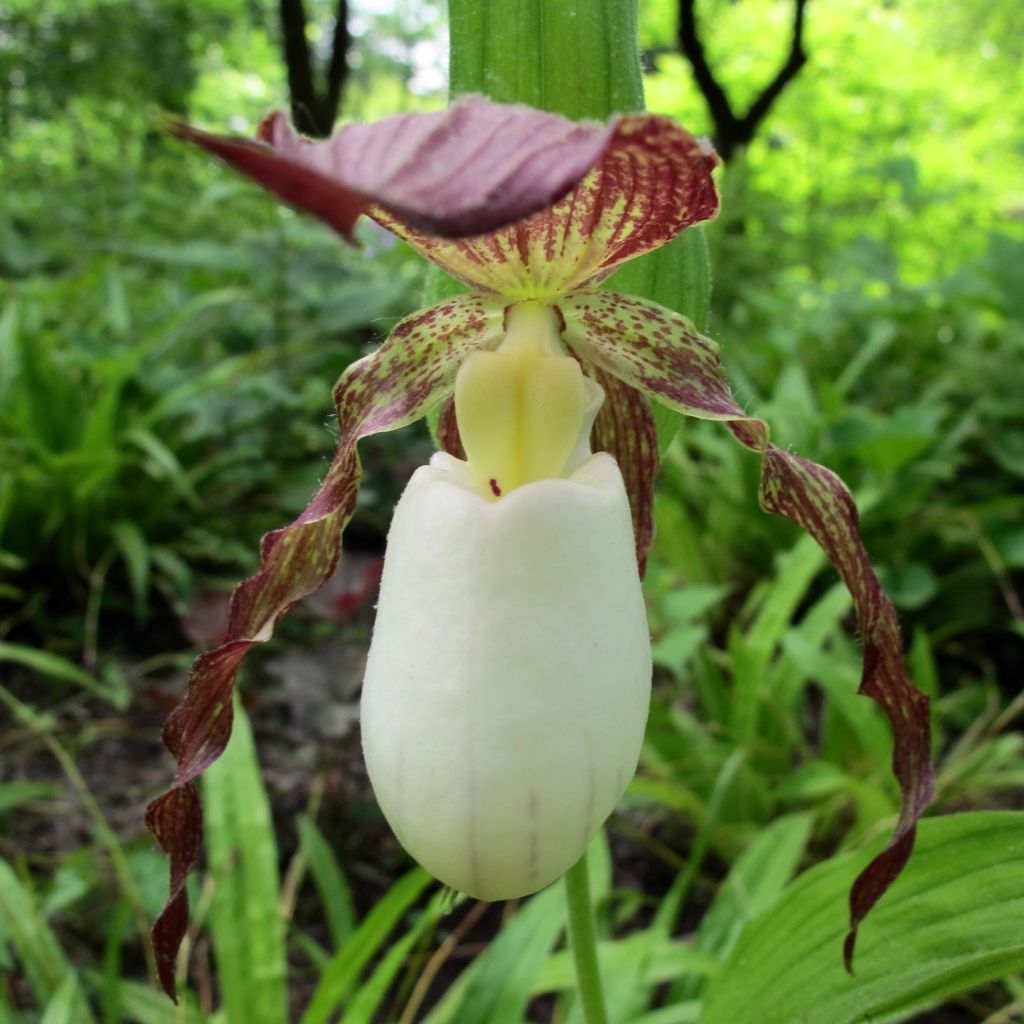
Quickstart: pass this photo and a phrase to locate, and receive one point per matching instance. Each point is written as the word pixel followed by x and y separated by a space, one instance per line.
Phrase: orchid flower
pixel 510 664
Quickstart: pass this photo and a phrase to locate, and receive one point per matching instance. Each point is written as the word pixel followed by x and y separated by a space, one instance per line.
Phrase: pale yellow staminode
pixel 508 680
pixel 520 409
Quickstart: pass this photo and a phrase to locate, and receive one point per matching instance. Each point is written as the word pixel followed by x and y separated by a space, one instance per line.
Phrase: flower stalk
pixel 583 941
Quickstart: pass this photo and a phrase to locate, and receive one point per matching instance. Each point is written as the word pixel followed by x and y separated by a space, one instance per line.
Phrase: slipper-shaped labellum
pixel 508 680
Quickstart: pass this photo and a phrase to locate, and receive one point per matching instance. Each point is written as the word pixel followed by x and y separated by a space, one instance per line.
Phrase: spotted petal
pixel 660 353
pixel 472 168
pixel 409 374
pixel 653 180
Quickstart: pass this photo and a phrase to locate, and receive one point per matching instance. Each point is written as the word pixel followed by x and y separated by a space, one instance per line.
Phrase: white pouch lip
pixel 508 681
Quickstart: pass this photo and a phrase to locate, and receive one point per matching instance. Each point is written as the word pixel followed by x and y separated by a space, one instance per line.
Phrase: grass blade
pixel 248 934
pixel 330 881
pixel 500 988
pixel 345 966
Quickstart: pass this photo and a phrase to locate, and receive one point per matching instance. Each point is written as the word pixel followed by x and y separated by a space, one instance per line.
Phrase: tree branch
pixel 313 111
pixel 693 49
pixel 337 70
pixel 795 60
pixel 732 132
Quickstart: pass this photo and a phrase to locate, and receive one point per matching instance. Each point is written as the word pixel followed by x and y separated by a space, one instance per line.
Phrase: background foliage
pixel 168 340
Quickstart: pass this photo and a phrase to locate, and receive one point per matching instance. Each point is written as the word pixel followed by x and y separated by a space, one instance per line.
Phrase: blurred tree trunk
pixel 732 131
pixel 314 109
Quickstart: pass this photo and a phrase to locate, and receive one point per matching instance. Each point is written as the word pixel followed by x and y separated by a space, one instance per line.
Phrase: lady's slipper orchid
pixel 510 648
pixel 508 680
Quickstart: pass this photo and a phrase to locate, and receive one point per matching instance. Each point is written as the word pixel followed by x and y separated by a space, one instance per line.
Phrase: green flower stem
pixel 517 51
pixel 583 939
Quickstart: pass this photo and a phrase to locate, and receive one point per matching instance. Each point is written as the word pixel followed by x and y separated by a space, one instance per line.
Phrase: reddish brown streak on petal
pixel 448 437
pixel 625 429
pixel 799 489
pixel 413 370
pixel 653 180
pixel 476 167
pixel 660 353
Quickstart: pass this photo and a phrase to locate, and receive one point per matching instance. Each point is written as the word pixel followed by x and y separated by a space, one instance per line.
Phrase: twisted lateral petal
pixel 653 180
pixel 473 168
pixel 447 431
pixel 660 353
pixel 509 676
pixel 625 429
pixel 412 371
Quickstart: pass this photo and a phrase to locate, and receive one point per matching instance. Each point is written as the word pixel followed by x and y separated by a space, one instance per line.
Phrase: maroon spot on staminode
pixel 495 489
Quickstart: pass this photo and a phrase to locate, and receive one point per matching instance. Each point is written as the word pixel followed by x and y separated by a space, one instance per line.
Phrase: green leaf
pixel 145 1006
pixel 55 667
pixel 14 794
pixel 50 973
pixel 371 993
pixel 951 922
pixel 162 463
pixel 753 649
pixel 331 885
pixel 500 987
pixel 66 1005
pixel 667 959
pixel 752 886
pixel 248 934
pixel 135 551
pixel 343 970
pixel 516 53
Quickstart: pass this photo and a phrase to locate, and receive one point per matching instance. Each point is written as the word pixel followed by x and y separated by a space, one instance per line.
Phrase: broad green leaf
pixel 951 922
pixel 753 885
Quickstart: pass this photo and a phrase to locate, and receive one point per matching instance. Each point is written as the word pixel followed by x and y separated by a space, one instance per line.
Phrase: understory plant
pixel 508 679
